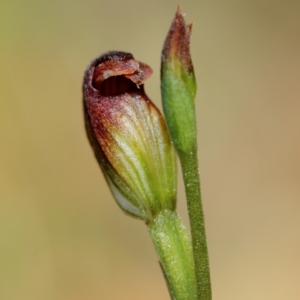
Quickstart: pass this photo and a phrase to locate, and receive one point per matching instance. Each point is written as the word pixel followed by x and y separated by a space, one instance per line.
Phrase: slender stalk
pixel 178 89
pixel 191 177
pixel 173 244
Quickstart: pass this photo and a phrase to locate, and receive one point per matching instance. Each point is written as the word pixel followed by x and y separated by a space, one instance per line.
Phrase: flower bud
pixel 178 85
pixel 129 135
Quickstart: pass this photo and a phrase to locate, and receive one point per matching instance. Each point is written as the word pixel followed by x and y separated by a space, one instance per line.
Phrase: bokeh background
pixel 61 234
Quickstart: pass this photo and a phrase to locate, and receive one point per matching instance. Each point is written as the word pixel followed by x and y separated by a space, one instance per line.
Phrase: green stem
pixel 173 244
pixel 191 177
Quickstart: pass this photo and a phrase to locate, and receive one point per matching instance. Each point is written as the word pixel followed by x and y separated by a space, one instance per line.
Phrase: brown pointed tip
pixel 179 10
pixel 177 43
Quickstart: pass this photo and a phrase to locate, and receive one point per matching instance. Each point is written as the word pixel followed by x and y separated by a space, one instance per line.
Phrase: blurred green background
pixel 61 234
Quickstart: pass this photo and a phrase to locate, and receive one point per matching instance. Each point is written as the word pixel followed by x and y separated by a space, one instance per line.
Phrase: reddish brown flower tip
pixel 110 81
pixel 119 63
pixel 177 44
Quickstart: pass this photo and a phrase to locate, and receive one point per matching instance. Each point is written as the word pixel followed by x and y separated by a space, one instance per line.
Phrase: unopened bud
pixel 178 85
